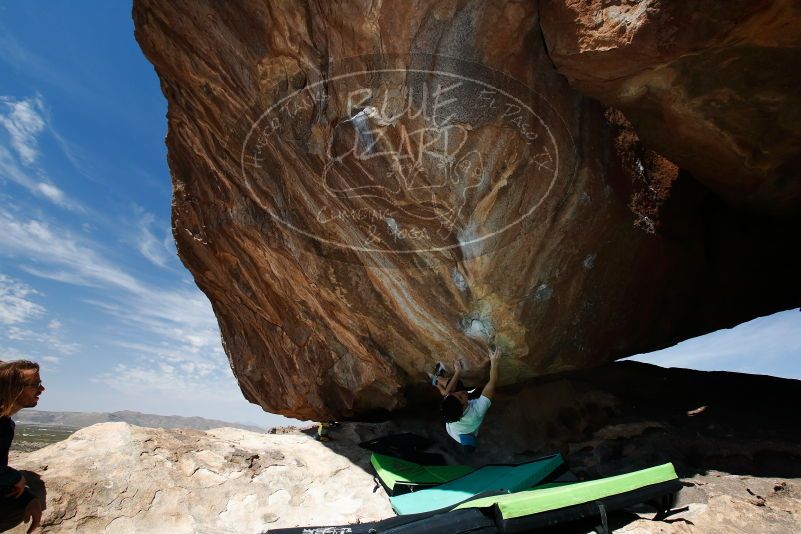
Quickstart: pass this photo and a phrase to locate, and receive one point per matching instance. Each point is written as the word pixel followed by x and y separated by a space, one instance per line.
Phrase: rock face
pixel 630 415
pixel 712 86
pixel 364 188
pixel 117 478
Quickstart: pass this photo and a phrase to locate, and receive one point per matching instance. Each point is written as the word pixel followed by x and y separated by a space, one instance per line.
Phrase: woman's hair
pixel 451 409
pixel 12 383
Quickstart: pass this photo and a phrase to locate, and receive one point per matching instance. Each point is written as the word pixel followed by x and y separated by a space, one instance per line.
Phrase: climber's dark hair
pixel 451 409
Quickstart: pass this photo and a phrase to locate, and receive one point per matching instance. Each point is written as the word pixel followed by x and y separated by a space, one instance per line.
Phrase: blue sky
pixel 90 284
pixel 766 346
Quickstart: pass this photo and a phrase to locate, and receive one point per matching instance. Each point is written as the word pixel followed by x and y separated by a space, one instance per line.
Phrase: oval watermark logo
pixel 405 155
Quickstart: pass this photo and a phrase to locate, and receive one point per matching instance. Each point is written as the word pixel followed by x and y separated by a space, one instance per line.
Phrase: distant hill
pixel 83 419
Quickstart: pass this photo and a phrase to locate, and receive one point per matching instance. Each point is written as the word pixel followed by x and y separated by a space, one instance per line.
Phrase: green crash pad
pixel 507 478
pixel 394 472
pixel 539 500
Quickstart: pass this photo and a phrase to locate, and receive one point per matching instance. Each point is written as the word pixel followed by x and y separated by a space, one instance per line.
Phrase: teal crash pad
pixel 490 478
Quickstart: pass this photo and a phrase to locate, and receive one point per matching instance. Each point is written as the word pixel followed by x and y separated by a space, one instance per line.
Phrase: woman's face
pixel 32 389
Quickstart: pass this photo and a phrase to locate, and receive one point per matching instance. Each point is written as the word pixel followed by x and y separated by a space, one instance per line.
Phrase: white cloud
pixel 10 170
pixel 158 327
pixel 58 276
pixel 24 122
pixel 43 337
pixel 15 306
pixel 181 382
pixel 52 193
pixel 176 343
pixel 80 160
pixel 76 262
pixel 153 249
pixel 25 335
pixel 13 353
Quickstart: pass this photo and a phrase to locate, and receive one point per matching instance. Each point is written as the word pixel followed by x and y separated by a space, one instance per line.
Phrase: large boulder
pixel 118 478
pixel 364 188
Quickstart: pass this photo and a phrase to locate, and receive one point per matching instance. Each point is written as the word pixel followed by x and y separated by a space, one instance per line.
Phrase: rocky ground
pixel 717 502
pixel 117 478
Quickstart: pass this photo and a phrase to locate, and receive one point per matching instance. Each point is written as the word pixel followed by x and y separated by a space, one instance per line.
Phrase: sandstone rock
pixel 347 243
pixel 730 504
pixel 712 86
pixel 117 478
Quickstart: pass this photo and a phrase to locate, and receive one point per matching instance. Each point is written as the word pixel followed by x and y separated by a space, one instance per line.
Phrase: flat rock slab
pixel 721 503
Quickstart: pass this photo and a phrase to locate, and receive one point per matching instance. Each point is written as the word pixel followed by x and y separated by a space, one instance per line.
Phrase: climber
pixel 20 387
pixel 462 414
